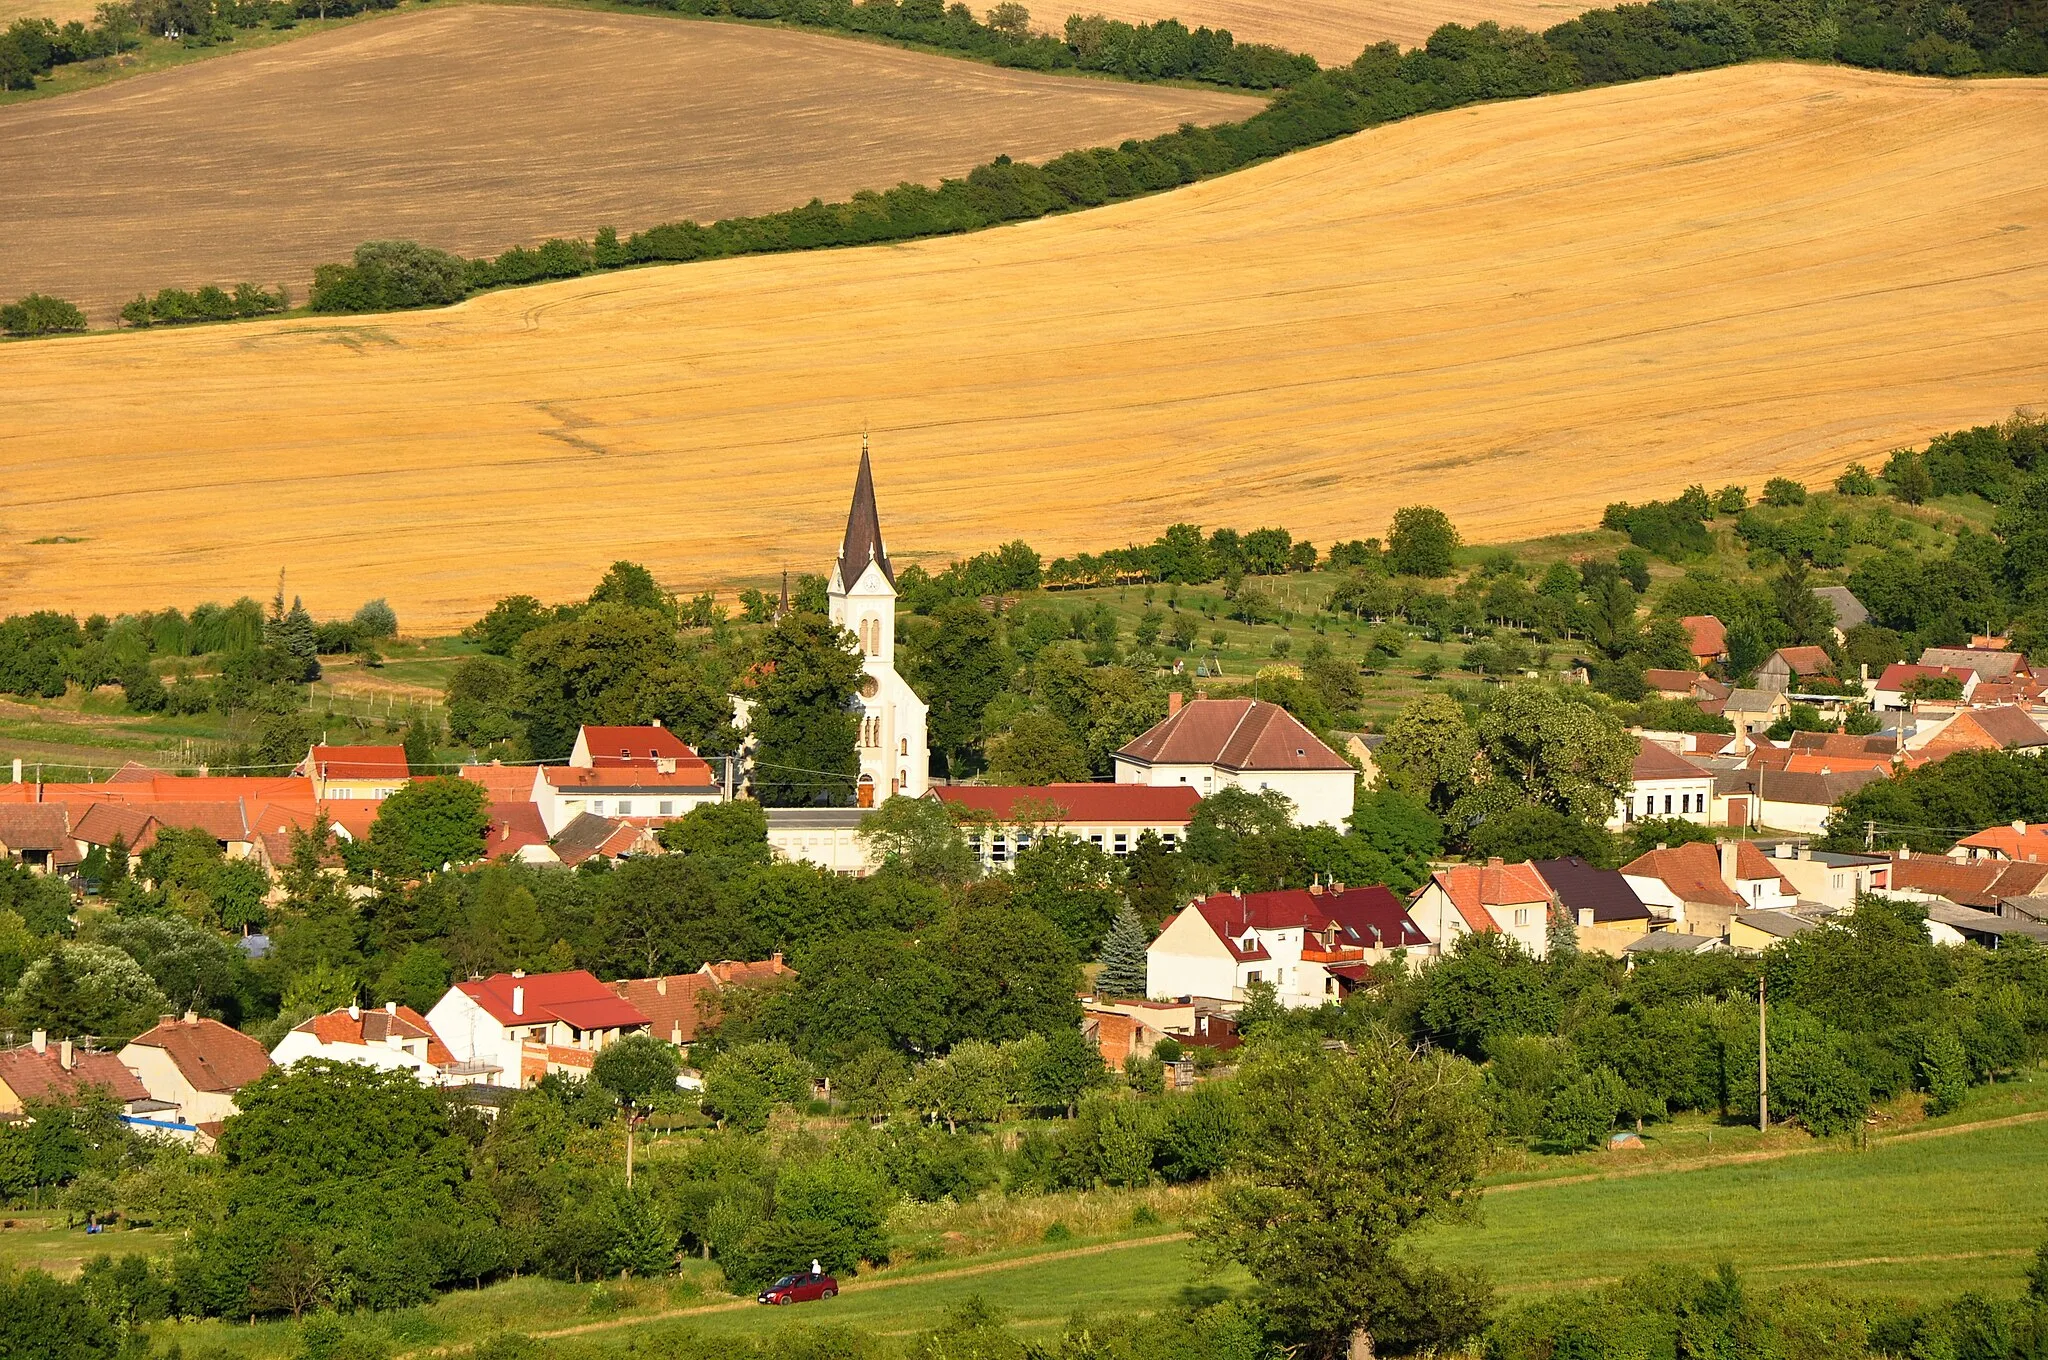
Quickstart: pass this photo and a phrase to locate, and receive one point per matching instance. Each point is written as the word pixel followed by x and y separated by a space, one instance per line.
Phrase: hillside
pixel 1500 311
pixel 1336 31
pixel 212 173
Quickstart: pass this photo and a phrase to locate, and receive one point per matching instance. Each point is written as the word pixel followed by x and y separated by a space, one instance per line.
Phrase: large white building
pixel 894 757
pixel 512 1029
pixel 396 1038
pixel 1213 744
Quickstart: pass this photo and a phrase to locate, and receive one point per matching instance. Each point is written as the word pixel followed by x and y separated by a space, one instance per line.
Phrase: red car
pixel 800 1288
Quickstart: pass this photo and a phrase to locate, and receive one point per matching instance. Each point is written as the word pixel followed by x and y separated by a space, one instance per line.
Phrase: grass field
pixel 1518 312
pixel 1946 1207
pixel 205 174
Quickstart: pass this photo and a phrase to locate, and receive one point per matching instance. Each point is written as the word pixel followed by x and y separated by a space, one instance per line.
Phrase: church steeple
pixel 863 542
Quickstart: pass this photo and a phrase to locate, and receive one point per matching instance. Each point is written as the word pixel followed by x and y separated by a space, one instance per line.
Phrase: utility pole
pixel 629 1144
pixel 1763 1070
pixel 1869 835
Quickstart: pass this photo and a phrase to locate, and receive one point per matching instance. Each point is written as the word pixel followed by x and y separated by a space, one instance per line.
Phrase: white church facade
pixel 894 755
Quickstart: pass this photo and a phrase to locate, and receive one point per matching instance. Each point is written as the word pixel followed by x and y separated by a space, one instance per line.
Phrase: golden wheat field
pixel 485 126
pixel 1517 312
pixel 1336 31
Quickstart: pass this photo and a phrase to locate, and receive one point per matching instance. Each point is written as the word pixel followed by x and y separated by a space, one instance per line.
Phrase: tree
pixel 957 664
pixel 429 823
pixel 1430 752
pixel 1069 882
pixel 1037 748
pixel 600 666
pixel 636 1067
pixel 733 836
pixel 1527 832
pixel 632 585
pixel 1856 480
pixel 1485 986
pixel 509 620
pixel 743 1086
pixel 918 838
pixel 88 989
pixel 1055 1069
pixel 1558 753
pixel 667 914
pixel 420 739
pixel 1009 972
pixel 804 718
pixel 1344 1154
pixel 49 1320
pixel 970 1085
pixel 40 315
pixel 1944 1071
pixel 1123 957
pixel 377 619
pixel 1421 542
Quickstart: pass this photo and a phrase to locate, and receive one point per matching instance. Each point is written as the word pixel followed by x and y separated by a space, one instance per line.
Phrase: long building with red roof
pixel 1002 819
pixel 522 1025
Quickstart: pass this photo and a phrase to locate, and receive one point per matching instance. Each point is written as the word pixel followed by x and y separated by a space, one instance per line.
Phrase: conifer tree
pixel 1123 956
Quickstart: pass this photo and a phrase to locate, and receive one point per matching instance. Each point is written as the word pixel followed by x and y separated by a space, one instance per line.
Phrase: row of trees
pixel 39 315
pixel 1458 66
pixel 178 307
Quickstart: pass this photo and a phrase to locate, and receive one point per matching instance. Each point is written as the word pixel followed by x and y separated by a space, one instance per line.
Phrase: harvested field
pixel 63 11
pixel 1517 312
pixel 1336 31
pixel 485 126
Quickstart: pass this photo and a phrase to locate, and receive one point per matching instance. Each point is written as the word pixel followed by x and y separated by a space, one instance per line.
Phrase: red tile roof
pixel 35 826
pixel 2027 842
pixel 690 775
pixel 506 783
pixel 367 1028
pixel 1233 734
pixel 514 826
pixel 576 997
pixel 1362 918
pixel 42 1076
pixel 1983 883
pixel 1134 804
pixel 1807 660
pixel 628 747
pixel 1693 872
pixel 740 973
pixel 212 1056
pixel 1474 889
pixel 678 1007
pixel 1709 636
pixel 100 823
pixel 359 762
pixel 1897 675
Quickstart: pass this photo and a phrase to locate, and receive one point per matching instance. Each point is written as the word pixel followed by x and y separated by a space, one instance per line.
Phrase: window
pixel 1667 805
pixel 1095 839
pixel 1521 916
pixel 1649 805
pixel 1123 846
pixel 905 749
pixel 1169 840
pixel 625 807
pixel 1254 978
pixel 668 807
pixel 597 806
pixel 1001 851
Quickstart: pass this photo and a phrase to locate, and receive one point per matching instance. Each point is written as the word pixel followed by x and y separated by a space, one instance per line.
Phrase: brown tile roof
pixel 101 822
pixel 212 1056
pixel 1671 682
pixel 1658 762
pixel 1990 664
pixel 738 973
pixel 1807 660
pixel 42 1076
pixel 1981 884
pixel 678 1007
pixel 35 826
pixel 1693 872
pixel 1842 744
pixel 588 835
pixel 1796 786
pixel 1233 734
pixel 1137 804
pixel 507 783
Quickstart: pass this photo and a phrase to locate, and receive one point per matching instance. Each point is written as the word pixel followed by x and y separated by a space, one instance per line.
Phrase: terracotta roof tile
pixel 359 762
pixel 1475 889
pixel 1233 734
pixel 42 1076
pixel 547 995
pixel 1137 804
pixel 212 1056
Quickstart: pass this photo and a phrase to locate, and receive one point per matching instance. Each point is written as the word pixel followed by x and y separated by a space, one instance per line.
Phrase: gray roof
pixel 1782 924
pixel 1983 922
pixel 1834 859
pixel 1792 786
pixel 1849 610
pixel 1989 665
pixel 1668 942
pixel 1751 701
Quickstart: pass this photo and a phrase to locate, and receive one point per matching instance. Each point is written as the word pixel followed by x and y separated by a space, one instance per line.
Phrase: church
pixel 891 744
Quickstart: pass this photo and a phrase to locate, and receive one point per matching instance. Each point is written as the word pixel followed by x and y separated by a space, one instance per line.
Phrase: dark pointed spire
pixel 863 543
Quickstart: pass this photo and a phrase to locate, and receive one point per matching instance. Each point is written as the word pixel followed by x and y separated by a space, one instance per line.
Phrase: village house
pixel 1701 887
pixel 827 837
pixel 393 1037
pixel 1829 878
pixel 1694 685
pixel 1664 784
pixel 1001 821
pixel 1801 801
pixel 341 772
pixel 40 1072
pixel 1123 1028
pixel 2001 727
pixel 1889 690
pixel 1783 669
pixel 194 1066
pixel 1849 611
pixel 2015 841
pixel 38 836
pixel 1708 639
pixel 1988 884
pixel 1752 711
pixel 681 1006
pixel 1598 903
pixel 1465 899
pixel 1213 744
pixel 633 774
pixel 1310 945
pixel 1991 663
pixel 1752 932
pixel 518 1027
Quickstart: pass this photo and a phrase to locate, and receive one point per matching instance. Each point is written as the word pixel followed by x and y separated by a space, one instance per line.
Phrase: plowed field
pixel 486 126
pixel 1517 312
pixel 1336 31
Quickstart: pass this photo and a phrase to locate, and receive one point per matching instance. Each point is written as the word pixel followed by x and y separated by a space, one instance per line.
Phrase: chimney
pixel 661 986
pixel 1728 862
pixel 1495 862
pixel 191 1017
pixel 2019 828
pixel 1172 707
pixel 519 972
pixel 518 1000
pixel 40 1041
pixel 655 723
pixel 17 769
pixel 64 1055
pixel 355 1012
pixel 391 1008
pixel 775 960
pixel 1315 889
